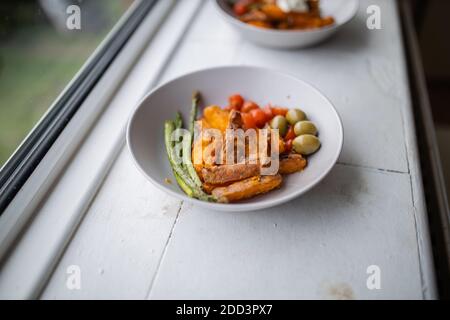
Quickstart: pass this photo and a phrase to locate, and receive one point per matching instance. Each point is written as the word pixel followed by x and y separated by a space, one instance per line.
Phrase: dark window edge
pixel 435 196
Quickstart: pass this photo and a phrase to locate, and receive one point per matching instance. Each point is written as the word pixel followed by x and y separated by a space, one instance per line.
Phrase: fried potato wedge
pixel 291 164
pixel 248 188
pixel 229 173
pixel 235 120
pixel 273 12
pixel 204 147
pixel 216 117
pixel 209 188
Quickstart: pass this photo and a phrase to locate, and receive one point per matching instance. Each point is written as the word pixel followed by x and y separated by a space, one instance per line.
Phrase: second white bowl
pixel 342 11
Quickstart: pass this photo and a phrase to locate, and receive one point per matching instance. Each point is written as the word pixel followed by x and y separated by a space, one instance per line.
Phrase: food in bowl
pixel 145 129
pixel 240 151
pixel 281 14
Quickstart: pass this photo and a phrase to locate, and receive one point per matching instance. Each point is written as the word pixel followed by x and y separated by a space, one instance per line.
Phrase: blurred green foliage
pixel 15 14
pixel 37 62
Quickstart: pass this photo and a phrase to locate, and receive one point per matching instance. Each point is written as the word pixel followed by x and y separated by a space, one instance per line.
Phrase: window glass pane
pixel 43 44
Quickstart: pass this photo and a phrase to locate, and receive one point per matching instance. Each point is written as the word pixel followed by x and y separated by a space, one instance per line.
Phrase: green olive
pixel 295 115
pixel 306 144
pixel 280 123
pixel 305 127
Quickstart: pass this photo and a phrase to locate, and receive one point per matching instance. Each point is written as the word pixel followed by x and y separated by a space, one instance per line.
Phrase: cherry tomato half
pixel 240 8
pixel 249 121
pixel 290 135
pixel 279 111
pixel 249 106
pixel 236 102
pixel 269 114
pixel 259 116
pixel 288 146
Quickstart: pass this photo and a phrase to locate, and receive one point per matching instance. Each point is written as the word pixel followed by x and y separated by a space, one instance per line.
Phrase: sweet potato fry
pixel 235 120
pixel 208 188
pixel 291 164
pixel 216 117
pixel 247 188
pixel 273 12
pixel 229 173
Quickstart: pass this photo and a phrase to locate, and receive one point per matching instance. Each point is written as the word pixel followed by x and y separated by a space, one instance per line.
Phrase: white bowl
pixel 145 132
pixel 342 11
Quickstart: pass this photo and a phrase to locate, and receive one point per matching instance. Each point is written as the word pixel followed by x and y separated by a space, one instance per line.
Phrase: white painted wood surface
pixel 136 242
pixel 308 248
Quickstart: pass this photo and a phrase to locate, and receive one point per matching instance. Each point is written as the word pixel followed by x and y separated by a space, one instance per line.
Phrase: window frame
pixel 434 189
pixel 23 162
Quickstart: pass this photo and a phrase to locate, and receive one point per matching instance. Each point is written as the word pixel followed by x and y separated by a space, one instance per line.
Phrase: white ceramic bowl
pixel 145 132
pixel 342 11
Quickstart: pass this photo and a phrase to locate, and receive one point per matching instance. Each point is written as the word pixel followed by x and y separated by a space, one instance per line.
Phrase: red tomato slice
pixel 249 106
pixel 249 122
pixel 290 135
pixel 279 111
pixel 288 146
pixel 259 116
pixel 269 114
pixel 240 8
pixel 236 102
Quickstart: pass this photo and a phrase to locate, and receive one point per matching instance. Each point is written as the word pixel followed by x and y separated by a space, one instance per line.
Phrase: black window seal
pixel 438 212
pixel 27 157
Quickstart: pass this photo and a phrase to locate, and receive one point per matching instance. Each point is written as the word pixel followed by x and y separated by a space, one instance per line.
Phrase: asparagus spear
pixel 196 97
pixel 169 128
pixel 182 177
pixel 187 150
pixel 187 145
pixel 185 175
pixel 184 186
pixel 178 121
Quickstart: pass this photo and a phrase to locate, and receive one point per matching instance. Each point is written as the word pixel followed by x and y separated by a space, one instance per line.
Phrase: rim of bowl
pixel 237 22
pixel 236 207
